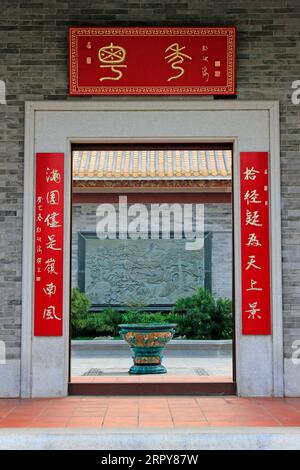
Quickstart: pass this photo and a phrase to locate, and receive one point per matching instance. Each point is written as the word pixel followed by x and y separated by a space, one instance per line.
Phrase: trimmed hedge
pixel 199 316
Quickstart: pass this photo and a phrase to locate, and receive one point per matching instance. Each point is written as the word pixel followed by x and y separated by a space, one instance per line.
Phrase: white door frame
pixel 53 126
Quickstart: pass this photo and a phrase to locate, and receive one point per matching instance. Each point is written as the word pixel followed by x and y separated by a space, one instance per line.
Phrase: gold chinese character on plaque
pixel 51 244
pixel 253 240
pixel 250 174
pixel 176 58
pixel 205 73
pixel 252 218
pixel 252 286
pixel 251 263
pixel 53 197
pixel 50 289
pixel 50 313
pixel 112 57
pixel 53 175
pixel 252 197
pixel 253 311
pixel 50 266
pixel 51 220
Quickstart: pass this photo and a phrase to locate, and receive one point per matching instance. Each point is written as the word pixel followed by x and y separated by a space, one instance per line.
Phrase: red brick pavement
pixel 141 412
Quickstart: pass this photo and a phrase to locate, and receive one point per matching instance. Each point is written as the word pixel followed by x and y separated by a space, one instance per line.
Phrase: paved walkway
pixel 170 413
pixel 150 378
pixel 181 358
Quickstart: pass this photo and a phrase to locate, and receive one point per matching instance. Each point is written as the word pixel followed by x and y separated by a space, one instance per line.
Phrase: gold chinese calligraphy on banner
pixel 255 248
pixel 48 262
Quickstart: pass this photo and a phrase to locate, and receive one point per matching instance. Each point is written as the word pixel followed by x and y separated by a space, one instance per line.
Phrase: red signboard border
pixel 76 90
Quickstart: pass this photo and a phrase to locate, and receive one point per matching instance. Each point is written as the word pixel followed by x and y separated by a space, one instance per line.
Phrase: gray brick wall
pixel 33 63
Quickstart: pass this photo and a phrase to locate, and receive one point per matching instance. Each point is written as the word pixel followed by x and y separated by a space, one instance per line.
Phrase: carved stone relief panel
pixel 149 272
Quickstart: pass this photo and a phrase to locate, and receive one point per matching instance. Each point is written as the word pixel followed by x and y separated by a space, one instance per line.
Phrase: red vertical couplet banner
pixel 49 237
pixel 255 239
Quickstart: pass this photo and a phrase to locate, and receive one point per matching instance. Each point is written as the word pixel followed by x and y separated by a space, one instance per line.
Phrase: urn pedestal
pixel 147 341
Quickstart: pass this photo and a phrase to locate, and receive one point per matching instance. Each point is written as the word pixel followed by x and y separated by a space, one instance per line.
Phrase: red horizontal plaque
pixel 255 239
pixel 152 61
pixel 49 237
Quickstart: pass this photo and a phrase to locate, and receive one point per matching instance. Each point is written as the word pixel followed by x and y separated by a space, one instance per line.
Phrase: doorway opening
pixel 152 241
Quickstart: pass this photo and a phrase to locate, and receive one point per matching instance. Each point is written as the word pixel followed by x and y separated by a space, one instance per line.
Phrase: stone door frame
pixel 54 126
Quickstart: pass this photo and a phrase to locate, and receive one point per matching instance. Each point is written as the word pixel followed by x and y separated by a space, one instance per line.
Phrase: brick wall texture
pixel 34 66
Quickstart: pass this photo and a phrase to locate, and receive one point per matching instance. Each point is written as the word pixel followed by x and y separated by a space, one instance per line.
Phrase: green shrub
pixel 143 317
pixel 131 316
pixel 80 304
pixel 221 327
pixel 200 316
pixel 104 323
pixel 111 319
pixel 98 324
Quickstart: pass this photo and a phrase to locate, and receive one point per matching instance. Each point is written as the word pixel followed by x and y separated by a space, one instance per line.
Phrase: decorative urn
pixel 147 341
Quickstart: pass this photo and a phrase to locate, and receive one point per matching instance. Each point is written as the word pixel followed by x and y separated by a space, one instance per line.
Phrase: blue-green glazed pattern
pixel 147 341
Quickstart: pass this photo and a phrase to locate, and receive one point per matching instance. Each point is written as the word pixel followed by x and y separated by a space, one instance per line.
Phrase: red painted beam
pixel 132 198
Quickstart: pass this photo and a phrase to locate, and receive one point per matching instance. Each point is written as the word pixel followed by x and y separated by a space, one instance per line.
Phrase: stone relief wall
pixel 152 271
pixel 148 272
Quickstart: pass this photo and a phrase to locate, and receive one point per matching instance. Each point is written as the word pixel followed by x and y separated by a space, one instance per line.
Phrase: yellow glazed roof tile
pixel 152 164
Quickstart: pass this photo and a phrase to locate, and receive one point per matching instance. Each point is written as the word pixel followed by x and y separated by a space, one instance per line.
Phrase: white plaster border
pixel 183 105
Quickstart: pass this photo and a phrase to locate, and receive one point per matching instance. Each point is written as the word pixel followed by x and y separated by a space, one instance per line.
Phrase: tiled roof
pixel 152 164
